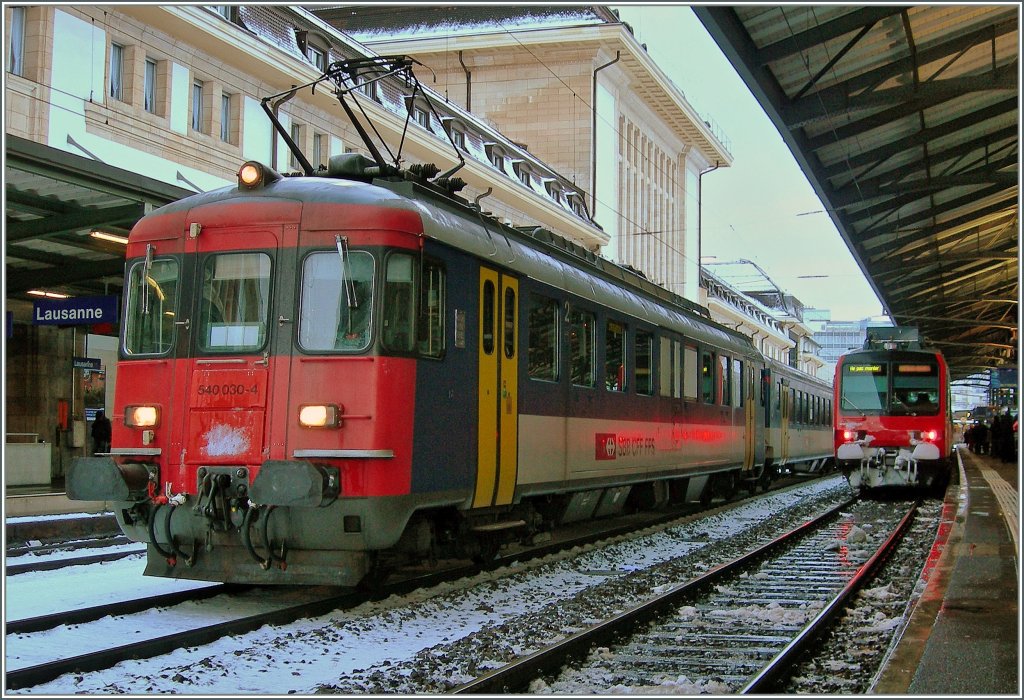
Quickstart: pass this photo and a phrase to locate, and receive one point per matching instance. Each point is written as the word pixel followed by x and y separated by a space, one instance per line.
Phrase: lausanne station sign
pixel 75 311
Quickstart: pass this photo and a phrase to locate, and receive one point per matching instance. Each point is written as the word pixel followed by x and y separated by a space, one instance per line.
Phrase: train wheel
pixel 488 550
pixel 377 573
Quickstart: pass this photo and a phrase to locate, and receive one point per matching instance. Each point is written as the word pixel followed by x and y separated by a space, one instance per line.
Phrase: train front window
pixel 152 305
pixel 336 299
pixel 235 302
pixel 915 388
pixel 864 387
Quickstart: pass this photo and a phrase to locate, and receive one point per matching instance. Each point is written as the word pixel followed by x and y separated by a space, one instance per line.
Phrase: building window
pixel 296 132
pixel 318 150
pixel 117 71
pixel 521 172
pixel 371 90
pixel 318 57
pixel 16 57
pixel 421 116
pixel 458 138
pixel 228 12
pixel 197 105
pixel 149 87
pixel 495 156
pixel 225 118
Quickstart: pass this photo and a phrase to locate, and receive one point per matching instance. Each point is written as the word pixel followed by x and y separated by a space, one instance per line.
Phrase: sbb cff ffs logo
pixel 604 446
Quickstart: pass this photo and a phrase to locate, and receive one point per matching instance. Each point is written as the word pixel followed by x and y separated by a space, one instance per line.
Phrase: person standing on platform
pixel 101 433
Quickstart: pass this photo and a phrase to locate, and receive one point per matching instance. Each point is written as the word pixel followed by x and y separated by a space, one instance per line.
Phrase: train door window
pixel 509 326
pixel 828 410
pixel 581 347
pixel 643 350
pixel 430 325
pixel 151 307
pixel 543 345
pixel 677 369
pixel 399 303
pixel 665 366
pixel 737 383
pixel 707 377
pixel 335 301
pixel 794 415
pixel 488 319
pixel 235 302
pixel 615 356
pixel 725 380
pixel 690 372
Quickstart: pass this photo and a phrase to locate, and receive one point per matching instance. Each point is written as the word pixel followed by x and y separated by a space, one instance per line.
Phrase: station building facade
pixel 574 86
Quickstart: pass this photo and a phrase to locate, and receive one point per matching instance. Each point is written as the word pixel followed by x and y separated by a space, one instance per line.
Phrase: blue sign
pixel 76 311
pixel 86 363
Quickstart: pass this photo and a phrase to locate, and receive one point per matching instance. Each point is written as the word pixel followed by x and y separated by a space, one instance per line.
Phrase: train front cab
pixel 893 420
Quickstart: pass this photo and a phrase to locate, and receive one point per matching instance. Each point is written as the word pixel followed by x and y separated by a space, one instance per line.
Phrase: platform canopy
pixel 55 200
pixel 905 120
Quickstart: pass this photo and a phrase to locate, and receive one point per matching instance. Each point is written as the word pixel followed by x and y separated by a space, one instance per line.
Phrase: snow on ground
pixel 299 657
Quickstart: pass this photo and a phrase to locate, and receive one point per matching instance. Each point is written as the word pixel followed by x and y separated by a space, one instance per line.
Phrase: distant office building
pixel 837 337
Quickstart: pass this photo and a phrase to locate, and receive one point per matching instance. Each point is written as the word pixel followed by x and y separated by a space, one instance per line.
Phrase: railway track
pixel 40 673
pixel 745 623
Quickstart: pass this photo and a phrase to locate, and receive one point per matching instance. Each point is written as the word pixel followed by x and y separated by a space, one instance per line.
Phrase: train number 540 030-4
pixel 226 389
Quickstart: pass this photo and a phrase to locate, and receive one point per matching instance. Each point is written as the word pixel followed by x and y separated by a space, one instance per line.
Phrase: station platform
pixel 963 637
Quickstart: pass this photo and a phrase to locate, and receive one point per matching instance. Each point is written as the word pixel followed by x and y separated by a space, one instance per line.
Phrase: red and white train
pixel 893 418
pixel 322 375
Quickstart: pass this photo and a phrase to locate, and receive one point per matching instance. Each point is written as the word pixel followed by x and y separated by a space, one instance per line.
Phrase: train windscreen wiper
pixel 346 277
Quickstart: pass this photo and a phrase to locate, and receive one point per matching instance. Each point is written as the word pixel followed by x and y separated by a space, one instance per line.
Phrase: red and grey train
pixel 894 416
pixel 321 376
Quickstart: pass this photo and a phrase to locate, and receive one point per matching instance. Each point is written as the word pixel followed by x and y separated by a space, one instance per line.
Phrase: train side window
pixel 430 326
pixel 643 363
pixel 737 383
pixel 707 377
pixel 615 356
pixel 581 347
pixel 665 366
pixel 690 372
pixel 726 376
pixel 150 312
pixel 336 301
pixel 542 354
pixel 399 303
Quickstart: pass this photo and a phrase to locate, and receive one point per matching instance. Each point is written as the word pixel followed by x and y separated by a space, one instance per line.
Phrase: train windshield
pixel 896 388
pixel 915 388
pixel 337 296
pixel 235 302
pixel 865 387
pixel 152 304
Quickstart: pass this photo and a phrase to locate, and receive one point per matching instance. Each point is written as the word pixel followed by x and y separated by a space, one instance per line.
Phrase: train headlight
pixel 849 435
pixel 142 416
pixel 253 174
pixel 930 435
pixel 320 416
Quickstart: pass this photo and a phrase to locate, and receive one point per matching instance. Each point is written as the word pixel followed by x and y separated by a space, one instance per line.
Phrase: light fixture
pixel 113 238
pixel 49 295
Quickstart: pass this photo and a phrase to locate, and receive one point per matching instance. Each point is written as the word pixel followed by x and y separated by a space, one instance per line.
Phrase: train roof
pixel 532 251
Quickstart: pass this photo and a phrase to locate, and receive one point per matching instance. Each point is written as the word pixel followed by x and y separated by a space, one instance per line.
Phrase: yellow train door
pixel 498 415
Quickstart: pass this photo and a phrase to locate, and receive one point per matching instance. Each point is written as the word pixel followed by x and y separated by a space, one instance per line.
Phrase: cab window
pixel 336 299
pixel 152 307
pixel 234 303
